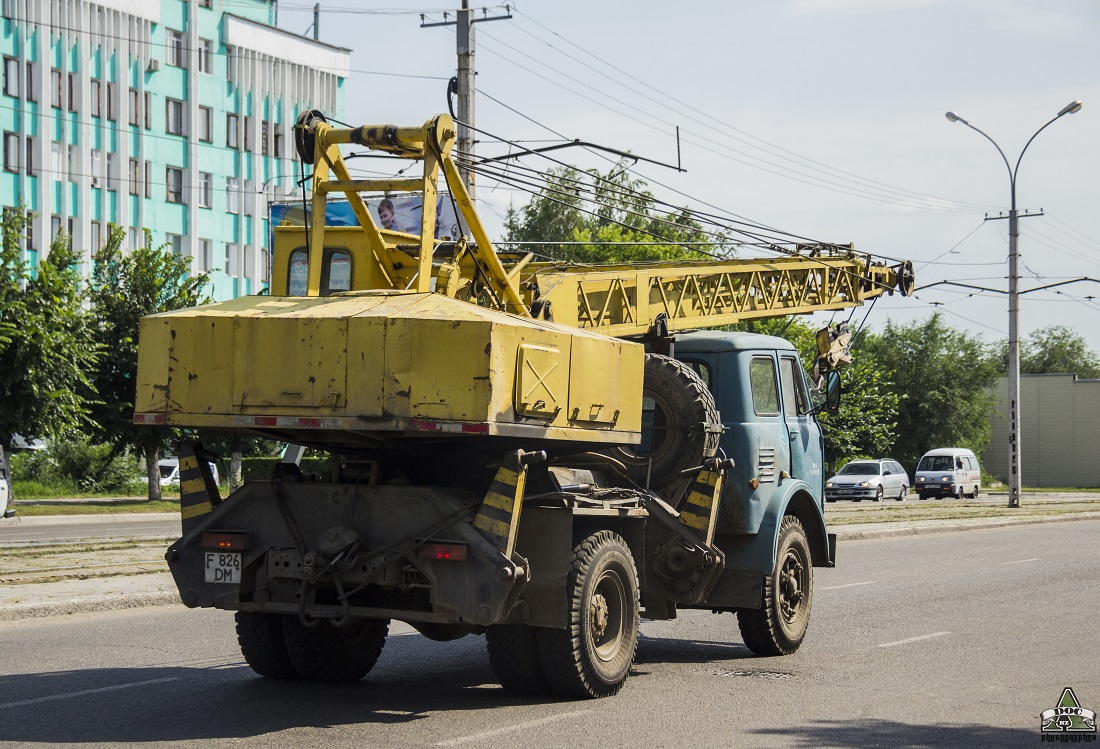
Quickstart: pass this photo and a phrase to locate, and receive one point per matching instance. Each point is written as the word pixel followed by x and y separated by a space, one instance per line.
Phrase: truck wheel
pixel 681 405
pixel 261 639
pixel 779 627
pixel 334 654
pixel 514 656
pixel 592 656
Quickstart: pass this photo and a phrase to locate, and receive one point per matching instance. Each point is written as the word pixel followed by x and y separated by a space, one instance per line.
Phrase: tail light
pixel 443 552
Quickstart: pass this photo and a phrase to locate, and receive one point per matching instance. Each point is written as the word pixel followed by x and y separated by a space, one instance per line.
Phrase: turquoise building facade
pixel 172 116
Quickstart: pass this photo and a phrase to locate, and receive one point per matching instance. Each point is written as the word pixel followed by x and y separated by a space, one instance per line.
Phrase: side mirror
pixel 832 390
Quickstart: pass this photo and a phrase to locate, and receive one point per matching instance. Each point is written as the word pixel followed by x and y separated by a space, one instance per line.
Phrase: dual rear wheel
pixel 281 647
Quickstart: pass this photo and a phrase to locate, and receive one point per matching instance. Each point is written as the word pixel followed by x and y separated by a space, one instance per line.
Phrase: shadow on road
pixel 873 731
pixel 189 703
pixel 679 650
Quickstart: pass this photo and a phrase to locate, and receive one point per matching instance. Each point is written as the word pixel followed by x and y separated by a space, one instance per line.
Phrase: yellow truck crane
pixel 539 452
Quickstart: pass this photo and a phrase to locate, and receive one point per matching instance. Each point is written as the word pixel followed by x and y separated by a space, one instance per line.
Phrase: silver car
pixel 868 479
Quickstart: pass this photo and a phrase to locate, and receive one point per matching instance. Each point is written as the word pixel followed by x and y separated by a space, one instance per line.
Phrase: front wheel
pixel 593 655
pixel 779 627
pixel 903 493
pixel 878 494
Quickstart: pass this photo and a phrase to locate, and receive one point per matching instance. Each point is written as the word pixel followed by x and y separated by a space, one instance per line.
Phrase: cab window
pixel 765 393
pixel 335 272
pixel 795 399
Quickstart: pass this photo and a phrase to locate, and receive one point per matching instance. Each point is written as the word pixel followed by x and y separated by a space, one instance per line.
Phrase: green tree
pixel 1058 348
pixel 124 288
pixel 943 380
pixel 613 216
pixel 46 348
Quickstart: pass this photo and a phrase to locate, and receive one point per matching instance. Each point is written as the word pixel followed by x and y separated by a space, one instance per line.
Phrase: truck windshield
pixel 936 463
pixel 859 469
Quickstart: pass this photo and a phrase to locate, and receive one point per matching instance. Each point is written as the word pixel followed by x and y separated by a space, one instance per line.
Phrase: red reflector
pixel 443 552
pixel 475 428
pixel 266 421
pixel 215 540
pixel 424 426
pixel 150 419
pixel 310 423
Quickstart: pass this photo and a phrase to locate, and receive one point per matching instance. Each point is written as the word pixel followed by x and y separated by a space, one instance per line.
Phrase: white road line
pixel 510 729
pixel 111 688
pixel 848 585
pixel 1021 561
pixel 913 639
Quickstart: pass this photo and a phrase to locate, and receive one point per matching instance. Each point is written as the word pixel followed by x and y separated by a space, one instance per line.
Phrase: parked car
pixel 170 471
pixel 868 479
pixel 5 487
pixel 948 472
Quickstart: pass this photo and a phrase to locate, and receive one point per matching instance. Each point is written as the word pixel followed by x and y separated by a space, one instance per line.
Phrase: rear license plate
pixel 223 567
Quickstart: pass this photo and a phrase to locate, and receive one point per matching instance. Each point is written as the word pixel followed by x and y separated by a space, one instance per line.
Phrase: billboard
pixel 400 213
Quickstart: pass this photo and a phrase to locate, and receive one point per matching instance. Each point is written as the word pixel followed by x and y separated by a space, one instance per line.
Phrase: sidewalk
pixel 157 589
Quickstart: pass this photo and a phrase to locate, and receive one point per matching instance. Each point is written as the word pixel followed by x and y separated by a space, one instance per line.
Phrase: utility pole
pixel 316 21
pixel 1015 412
pixel 465 47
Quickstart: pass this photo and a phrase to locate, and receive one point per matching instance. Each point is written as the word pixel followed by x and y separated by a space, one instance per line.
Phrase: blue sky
pixel 824 118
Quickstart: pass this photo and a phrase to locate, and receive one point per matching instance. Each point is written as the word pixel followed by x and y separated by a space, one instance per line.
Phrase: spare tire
pixel 679 424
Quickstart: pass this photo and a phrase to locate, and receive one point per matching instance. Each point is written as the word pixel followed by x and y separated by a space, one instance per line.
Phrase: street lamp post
pixel 1014 411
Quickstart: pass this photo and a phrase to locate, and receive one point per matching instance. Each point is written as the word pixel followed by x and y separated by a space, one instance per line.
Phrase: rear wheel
pixel 780 626
pixel 904 493
pixel 334 654
pixel 261 639
pixel 976 490
pixel 514 656
pixel 592 656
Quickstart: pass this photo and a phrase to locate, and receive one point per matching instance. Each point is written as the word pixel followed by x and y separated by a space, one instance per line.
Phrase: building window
pixel 97 236
pixel 206 56
pixel 8 10
pixel 248 191
pixel 55 227
pixel 30 156
pixel 56 90
pixel 97 167
pixel 148 111
pixel 11 77
pixel 265 269
pixel 231 134
pixel 72 92
pixel 71 170
pixel 135 100
pixel 173 178
pixel 206 255
pixel 176 243
pixel 277 151
pixel 176 53
pixel 112 103
pixel 111 183
pixel 28 84
pixel 248 134
pixel 231 64
pixel 135 177
pixel 264 144
pixel 55 159
pixel 133 237
pixel 11 152
pixel 231 260
pixel 206 3
pixel 173 118
pixel 232 195
pixel 148 179
pixel 95 93
pixel 206 190
pixel 206 124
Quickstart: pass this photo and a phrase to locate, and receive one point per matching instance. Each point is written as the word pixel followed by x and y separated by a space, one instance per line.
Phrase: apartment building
pixel 173 116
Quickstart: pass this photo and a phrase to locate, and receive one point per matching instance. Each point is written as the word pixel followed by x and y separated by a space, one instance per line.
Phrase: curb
pixel 106 517
pixel 848 532
pixel 16 611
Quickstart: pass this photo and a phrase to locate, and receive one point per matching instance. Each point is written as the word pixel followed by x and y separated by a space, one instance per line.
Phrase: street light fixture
pixel 1014 459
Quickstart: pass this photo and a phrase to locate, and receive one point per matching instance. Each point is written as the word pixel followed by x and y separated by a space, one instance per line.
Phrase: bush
pixel 73 466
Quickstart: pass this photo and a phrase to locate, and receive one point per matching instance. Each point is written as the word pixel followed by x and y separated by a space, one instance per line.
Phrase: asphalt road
pixel 60 530
pixel 948 640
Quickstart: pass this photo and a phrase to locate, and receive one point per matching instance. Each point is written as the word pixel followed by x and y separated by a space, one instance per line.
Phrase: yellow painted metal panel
pixel 605 383
pixel 154 341
pixel 291 360
pixel 201 356
pixel 542 377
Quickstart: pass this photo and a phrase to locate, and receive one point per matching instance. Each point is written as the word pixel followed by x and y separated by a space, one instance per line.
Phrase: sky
pixel 823 118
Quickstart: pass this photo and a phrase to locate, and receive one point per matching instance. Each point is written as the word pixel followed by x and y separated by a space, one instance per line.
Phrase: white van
pixel 5 487
pixel 170 471
pixel 948 472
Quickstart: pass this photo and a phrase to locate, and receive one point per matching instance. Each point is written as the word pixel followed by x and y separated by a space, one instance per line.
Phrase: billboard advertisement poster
pixel 398 213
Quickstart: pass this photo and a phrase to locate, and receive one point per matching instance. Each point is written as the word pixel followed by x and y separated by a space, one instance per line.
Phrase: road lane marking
pixel 913 639
pixel 111 688
pixel 848 585
pixel 1021 561
pixel 510 729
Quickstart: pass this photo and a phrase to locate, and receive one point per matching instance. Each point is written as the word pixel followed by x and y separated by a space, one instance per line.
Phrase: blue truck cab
pixel 771 433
